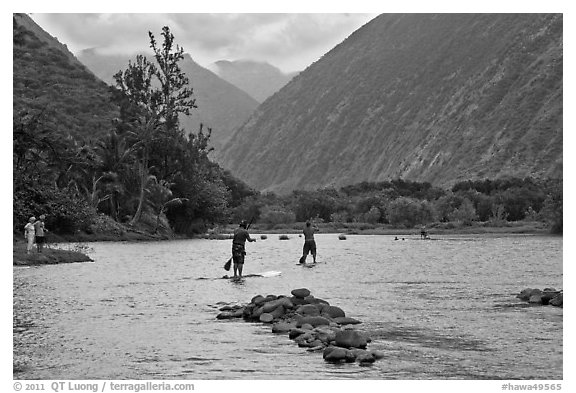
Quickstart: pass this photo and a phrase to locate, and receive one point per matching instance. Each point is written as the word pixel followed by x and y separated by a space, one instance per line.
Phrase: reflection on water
pixel 440 309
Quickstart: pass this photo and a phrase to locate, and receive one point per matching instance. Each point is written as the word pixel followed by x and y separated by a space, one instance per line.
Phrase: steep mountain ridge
pixel 221 105
pixel 259 79
pixel 48 79
pixel 423 97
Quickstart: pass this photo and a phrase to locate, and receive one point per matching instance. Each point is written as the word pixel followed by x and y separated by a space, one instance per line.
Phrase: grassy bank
pixel 48 256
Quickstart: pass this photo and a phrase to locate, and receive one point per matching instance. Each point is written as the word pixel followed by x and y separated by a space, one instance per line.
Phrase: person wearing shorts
pixel 309 242
pixel 39 229
pixel 238 248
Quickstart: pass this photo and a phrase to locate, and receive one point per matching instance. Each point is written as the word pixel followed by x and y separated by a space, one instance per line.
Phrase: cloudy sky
pixel 290 41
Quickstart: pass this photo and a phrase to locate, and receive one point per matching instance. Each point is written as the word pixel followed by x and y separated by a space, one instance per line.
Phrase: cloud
pixel 289 41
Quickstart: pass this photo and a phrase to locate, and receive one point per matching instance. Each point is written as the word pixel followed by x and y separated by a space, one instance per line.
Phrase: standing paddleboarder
pixel 309 242
pixel 238 247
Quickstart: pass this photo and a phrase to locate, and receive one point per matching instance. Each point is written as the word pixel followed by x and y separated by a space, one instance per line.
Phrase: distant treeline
pixel 408 204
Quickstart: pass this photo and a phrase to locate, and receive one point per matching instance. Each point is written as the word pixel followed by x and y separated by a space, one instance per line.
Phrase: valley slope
pixel 422 97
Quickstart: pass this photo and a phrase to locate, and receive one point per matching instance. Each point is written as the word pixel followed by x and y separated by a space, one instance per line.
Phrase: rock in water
pixel 335 355
pixel 366 358
pixel 278 312
pixel 557 301
pixel 333 312
pixel 346 321
pixel 535 298
pixel 266 318
pixel 314 321
pixel 282 327
pixel 525 294
pixel 548 295
pixel 300 293
pixel 350 339
pixel 308 310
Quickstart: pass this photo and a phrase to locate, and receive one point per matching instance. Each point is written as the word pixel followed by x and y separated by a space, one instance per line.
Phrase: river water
pixel 439 309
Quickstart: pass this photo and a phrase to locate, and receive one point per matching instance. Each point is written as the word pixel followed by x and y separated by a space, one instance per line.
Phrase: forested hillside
pixel 422 97
pixel 47 79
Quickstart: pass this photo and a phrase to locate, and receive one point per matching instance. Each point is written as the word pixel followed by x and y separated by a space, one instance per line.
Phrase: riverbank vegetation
pixel 398 205
pixel 143 176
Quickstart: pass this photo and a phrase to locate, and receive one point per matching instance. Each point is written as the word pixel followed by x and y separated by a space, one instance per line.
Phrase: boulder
pixel 350 339
pixel 365 358
pixel 295 332
pixel 346 321
pixel 314 321
pixel 282 327
pixel 238 313
pixel 286 302
pixel 257 312
pixel 377 354
pixel 535 298
pixel 297 301
pixel 333 312
pixel 308 310
pixel 271 305
pixel 248 310
pixel 266 318
pixel 306 326
pixel 270 298
pixel 300 293
pixel 557 301
pixel 256 298
pixel 278 312
pixel 548 295
pixel 335 354
pixel 525 294
pixel 350 356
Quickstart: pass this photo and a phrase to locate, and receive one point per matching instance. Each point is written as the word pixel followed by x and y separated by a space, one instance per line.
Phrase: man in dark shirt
pixel 238 248
pixel 309 243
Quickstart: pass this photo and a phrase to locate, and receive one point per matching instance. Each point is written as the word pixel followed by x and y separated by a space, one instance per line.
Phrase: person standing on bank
pixel 238 248
pixel 29 234
pixel 40 229
pixel 309 242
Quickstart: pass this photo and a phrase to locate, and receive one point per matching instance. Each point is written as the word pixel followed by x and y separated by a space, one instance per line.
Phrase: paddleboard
pixel 270 273
pixel 307 264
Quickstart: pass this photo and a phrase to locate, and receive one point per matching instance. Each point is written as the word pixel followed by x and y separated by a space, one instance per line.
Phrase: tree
pixel 553 206
pixel 176 95
pixel 160 198
pixel 145 134
pixel 464 214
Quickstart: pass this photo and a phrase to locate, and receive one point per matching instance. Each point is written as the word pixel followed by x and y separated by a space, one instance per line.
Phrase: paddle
pixel 229 261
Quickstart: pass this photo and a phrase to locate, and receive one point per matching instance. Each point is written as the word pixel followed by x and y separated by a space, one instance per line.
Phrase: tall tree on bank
pixel 176 96
pixel 152 96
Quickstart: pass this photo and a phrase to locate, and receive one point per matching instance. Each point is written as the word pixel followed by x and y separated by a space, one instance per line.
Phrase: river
pixel 443 308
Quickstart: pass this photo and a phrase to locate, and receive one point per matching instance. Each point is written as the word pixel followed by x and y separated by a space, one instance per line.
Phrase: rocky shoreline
pixel 311 322
pixel 546 296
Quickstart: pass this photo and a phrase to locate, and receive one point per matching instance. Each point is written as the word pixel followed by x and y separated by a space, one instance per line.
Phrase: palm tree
pixel 145 132
pixel 160 198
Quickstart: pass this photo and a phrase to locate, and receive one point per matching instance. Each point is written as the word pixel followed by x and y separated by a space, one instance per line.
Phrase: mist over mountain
pixel 221 105
pixel 423 97
pixel 259 79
